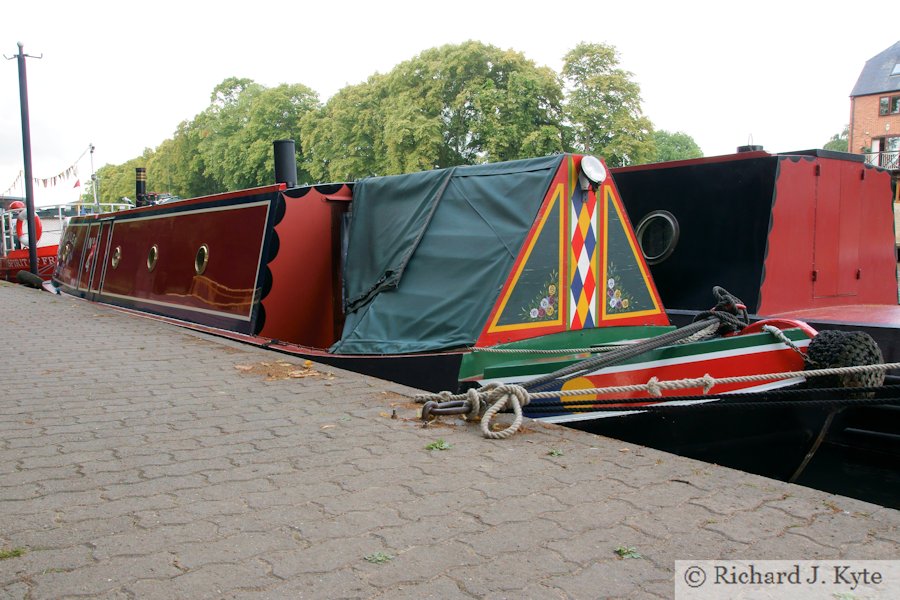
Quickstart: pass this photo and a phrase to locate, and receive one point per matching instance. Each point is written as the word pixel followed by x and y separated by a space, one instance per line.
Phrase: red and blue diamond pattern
pixel 583 287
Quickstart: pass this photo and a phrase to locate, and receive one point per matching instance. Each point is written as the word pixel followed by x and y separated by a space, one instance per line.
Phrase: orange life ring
pixel 20 227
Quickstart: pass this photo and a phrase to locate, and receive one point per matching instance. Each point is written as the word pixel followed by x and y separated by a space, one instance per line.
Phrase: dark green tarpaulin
pixel 429 252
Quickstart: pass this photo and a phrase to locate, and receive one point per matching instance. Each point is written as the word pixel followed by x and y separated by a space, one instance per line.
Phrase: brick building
pixel 875 110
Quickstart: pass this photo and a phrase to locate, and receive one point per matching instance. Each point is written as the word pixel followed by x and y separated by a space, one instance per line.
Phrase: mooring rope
pixel 515 396
pixel 627 352
pixel 787 342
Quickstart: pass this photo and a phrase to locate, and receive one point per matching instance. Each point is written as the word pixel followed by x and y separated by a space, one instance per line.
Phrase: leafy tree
pixel 839 141
pixel 344 139
pixel 470 103
pixel 237 130
pixel 675 146
pixel 116 181
pixel 228 93
pixel 453 105
pixel 603 107
pixel 177 167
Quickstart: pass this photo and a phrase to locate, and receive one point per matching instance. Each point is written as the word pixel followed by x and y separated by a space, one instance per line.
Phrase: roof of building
pixel 881 73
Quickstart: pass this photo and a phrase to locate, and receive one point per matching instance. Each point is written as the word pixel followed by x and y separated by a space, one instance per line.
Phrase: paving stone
pixel 37 560
pixel 423 563
pixel 702 544
pixel 789 547
pixel 237 548
pixel 747 526
pixel 211 581
pixel 404 534
pixel 438 589
pixel 340 583
pixel 838 530
pixel 514 537
pixel 138 541
pixel 42 504
pixel 106 576
pixel 597 544
pixel 362 500
pixel 157 485
pixel 596 513
pixel 269 519
pixel 504 572
pixel 425 507
pixel 671 521
pixel 621 578
pixel 322 557
pixel 14 591
pixel 128 506
pixel 382 522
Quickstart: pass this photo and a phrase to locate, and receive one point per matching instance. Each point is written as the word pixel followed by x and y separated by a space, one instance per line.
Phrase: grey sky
pixel 122 75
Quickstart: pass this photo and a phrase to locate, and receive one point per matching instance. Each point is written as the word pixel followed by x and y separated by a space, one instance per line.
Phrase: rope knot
pixel 475 403
pixel 516 391
pixel 514 395
pixel 708 382
pixel 654 388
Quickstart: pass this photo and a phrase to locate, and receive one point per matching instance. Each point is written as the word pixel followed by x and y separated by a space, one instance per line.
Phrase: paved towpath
pixel 141 460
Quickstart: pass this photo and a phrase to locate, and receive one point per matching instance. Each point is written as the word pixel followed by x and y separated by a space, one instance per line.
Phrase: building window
pixel 889 105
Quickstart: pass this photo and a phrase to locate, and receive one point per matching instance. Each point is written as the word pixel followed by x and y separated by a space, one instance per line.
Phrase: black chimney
pixel 140 187
pixel 285 162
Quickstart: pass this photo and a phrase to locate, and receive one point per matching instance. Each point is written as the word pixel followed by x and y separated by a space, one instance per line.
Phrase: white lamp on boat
pixel 593 173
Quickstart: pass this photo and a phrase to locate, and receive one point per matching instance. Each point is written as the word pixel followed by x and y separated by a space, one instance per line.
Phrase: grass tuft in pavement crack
pixel 438 444
pixel 378 558
pixel 627 552
pixel 13 553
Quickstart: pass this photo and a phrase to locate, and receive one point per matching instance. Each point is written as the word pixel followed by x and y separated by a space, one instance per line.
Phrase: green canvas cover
pixel 428 253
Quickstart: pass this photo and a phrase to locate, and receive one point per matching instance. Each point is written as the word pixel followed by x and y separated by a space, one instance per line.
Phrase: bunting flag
pixel 77 183
pixel 15 184
pixel 65 175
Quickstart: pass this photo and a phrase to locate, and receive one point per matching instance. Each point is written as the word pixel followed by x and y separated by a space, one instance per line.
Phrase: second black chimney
pixel 285 162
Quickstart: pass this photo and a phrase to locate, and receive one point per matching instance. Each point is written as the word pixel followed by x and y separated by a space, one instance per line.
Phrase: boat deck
pixel 879 315
pixel 145 460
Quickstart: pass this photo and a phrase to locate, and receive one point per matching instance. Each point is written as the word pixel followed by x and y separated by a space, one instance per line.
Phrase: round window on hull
pixel 201 259
pixel 152 257
pixel 116 257
pixel 657 234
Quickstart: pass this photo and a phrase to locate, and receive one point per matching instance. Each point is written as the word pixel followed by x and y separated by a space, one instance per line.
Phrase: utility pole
pixel 26 151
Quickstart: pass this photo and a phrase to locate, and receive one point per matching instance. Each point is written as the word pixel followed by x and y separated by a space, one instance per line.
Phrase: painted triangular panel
pixel 533 299
pixel 627 289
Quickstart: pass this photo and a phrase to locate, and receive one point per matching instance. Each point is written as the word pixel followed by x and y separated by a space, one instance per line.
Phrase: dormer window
pixel 896 70
pixel 889 105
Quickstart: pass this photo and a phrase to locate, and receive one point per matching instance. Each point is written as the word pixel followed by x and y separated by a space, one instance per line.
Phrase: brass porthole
pixel 201 260
pixel 116 257
pixel 67 252
pixel 152 257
